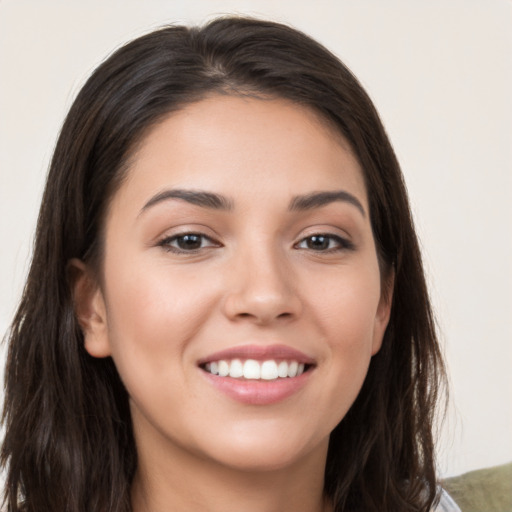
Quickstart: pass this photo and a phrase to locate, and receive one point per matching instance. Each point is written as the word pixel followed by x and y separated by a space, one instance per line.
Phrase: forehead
pixel 236 144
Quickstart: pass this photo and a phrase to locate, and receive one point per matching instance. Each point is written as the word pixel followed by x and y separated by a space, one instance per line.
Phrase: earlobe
pixel 90 309
pixel 383 310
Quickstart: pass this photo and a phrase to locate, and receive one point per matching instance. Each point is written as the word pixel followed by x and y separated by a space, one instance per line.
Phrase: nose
pixel 261 289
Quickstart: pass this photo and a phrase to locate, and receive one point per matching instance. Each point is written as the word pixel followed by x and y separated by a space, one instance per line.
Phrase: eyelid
pixel 166 241
pixel 344 243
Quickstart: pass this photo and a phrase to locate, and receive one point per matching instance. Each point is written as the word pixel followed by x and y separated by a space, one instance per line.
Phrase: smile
pixel 258 374
pixel 255 370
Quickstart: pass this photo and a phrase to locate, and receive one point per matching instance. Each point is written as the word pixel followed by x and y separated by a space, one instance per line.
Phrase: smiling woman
pixel 226 309
pixel 187 286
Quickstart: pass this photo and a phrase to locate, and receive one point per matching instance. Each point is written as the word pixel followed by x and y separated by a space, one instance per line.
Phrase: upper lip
pixel 259 353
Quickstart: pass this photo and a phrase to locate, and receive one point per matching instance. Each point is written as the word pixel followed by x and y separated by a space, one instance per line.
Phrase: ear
pixel 383 309
pixel 89 308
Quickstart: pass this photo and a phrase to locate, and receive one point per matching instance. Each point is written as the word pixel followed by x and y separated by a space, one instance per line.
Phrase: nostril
pixel 260 305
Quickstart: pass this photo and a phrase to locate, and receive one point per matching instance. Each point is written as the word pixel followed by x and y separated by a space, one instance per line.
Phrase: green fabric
pixel 484 490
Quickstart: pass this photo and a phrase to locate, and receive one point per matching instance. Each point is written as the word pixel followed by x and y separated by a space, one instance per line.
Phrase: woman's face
pixel 239 246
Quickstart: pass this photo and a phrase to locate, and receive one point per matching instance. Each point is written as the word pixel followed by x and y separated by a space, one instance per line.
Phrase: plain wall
pixel 440 73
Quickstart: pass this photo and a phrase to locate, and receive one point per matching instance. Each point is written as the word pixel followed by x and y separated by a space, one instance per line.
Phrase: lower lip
pixel 258 392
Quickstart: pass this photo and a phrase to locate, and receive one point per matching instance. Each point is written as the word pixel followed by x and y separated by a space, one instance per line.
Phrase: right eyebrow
pixel 319 199
pixel 196 197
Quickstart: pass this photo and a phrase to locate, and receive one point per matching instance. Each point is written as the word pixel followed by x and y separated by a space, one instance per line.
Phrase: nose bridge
pixel 261 282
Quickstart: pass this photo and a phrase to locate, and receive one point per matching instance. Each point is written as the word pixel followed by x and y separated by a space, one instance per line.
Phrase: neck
pixel 187 484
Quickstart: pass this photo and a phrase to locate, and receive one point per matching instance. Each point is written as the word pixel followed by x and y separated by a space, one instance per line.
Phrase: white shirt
pixel 446 504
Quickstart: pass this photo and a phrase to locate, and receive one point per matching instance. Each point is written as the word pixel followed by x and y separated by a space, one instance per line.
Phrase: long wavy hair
pixel 69 444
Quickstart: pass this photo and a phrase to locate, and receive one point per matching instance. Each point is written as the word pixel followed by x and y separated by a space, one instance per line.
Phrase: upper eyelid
pixel 332 236
pixel 343 241
pixel 175 236
pixel 168 243
pixel 200 230
pixel 327 231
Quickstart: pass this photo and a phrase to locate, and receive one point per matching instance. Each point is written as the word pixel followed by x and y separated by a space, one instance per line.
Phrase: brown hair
pixel 69 444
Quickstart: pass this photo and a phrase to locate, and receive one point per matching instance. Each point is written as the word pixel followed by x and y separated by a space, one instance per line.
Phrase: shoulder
pixel 446 504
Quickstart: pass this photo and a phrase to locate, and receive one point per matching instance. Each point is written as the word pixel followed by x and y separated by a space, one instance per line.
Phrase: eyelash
pixel 167 242
pixel 340 243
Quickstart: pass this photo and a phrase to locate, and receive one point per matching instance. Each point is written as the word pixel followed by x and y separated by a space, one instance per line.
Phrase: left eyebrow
pixel 319 199
pixel 196 197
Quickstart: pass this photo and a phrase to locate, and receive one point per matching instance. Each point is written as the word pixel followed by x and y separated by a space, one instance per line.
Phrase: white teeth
pixel 255 370
pixel 282 369
pixel 223 368
pixel 269 370
pixel 236 369
pixel 292 369
pixel 252 369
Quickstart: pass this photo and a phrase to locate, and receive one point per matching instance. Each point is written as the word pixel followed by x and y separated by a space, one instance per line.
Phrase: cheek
pixel 152 313
pixel 148 297
pixel 346 308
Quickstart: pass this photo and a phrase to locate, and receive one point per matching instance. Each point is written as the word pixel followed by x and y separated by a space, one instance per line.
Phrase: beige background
pixel 440 73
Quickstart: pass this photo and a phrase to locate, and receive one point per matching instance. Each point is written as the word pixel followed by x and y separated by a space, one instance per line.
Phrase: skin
pixel 256 278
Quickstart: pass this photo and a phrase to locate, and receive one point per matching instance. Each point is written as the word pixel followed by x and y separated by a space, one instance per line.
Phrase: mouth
pixel 252 369
pixel 258 375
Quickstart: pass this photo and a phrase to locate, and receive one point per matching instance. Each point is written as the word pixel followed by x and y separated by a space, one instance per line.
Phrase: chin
pixel 268 451
pixel 248 461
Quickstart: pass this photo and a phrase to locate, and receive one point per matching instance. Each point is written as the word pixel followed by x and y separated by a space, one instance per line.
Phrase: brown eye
pixel 187 242
pixel 318 242
pixel 324 243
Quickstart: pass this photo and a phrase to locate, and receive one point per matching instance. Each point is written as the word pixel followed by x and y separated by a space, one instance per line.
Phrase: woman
pixel 226 308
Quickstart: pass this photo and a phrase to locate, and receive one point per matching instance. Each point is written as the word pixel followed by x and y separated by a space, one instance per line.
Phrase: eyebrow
pixel 220 202
pixel 319 199
pixel 197 197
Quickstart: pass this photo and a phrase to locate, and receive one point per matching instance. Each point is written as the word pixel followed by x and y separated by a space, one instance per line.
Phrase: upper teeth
pixel 252 369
